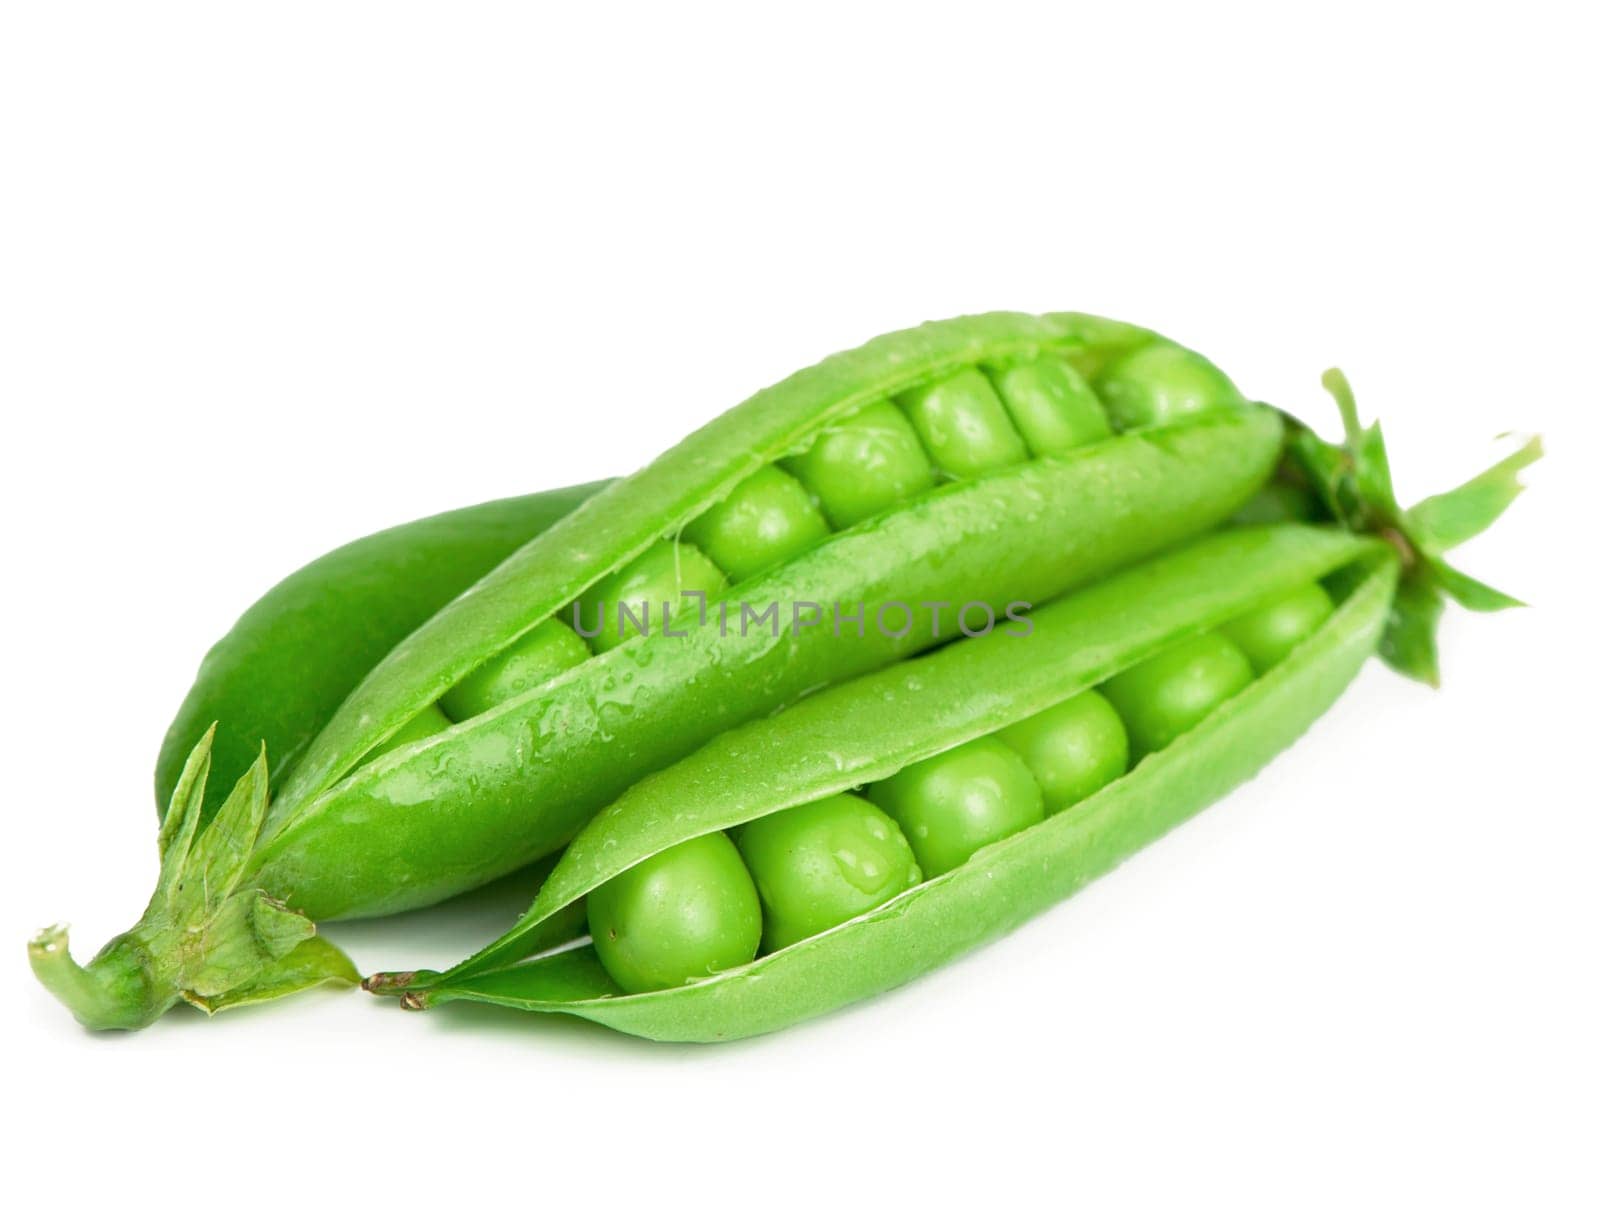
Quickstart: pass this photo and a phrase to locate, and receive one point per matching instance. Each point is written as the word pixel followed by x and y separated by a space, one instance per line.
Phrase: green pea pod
pixel 281 672
pixel 866 729
pixel 275 679
pixel 1188 475
pixel 1048 483
pixel 1068 447
pixel 392 835
pixel 513 784
pixel 897 724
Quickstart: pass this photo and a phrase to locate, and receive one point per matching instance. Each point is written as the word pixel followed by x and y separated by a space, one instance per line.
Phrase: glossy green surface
pixel 826 862
pixel 1073 749
pixel 431 817
pixel 767 519
pixel 865 462
pixel 392 835
pixel 1052 406
pixel 292 658
pixel 648 596
pixel 347 834
pixel 963 424
pixel 1270 632
pixel 531 773
pixel 1160 383
pixel 425 724
pixel 549 649
pixel 955 803
pixel 1003 884
pixel 821 863
pixel 865 730
pixel 1175 690
pixel 687 912
pixel 636 513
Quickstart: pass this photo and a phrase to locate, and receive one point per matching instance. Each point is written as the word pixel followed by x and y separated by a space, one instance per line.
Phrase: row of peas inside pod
pixel 714 902
pixel 972 421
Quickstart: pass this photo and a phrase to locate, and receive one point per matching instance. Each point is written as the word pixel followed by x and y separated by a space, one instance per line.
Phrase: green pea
pixel 1173 691
pixel 1073 749
pixel 953 804
pixel 1161 382
pixel 423 725
pixel 1052 406
pixel 549 649
pixel 633 601
pixel 964 425
pixel 1270 632
pixel 862 463
pixel 817 865
pixel 768 518
pixel 686 912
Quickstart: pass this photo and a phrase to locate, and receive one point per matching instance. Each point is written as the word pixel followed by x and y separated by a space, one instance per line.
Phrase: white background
pixel 275 276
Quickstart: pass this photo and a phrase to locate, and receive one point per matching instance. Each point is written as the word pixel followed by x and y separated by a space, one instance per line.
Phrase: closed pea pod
pixel 282 671
pixel 274 680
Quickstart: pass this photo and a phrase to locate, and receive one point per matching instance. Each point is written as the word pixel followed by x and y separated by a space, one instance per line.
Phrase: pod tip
pixel 387 982
pixel 50 941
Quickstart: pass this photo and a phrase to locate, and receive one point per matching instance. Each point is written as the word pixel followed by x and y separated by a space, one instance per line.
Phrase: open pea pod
pixel 515 781
pixel 865 729
pixel 868 729
pixel 997 782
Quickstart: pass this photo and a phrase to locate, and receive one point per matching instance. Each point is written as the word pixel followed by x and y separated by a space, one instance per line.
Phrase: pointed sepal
pixel 1410 641
pixel 183 810
pixel 1354 485
pixel 1444 521
pixel 312 962
pixel 208 936
pixel 218 858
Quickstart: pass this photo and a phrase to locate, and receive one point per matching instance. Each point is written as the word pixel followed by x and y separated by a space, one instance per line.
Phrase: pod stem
pixel 209 937
pixel 114 991
pixel 1352 484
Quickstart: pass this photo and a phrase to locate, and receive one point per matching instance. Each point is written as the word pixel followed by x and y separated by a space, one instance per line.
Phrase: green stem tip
pixel 210 936
pixel 114 991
